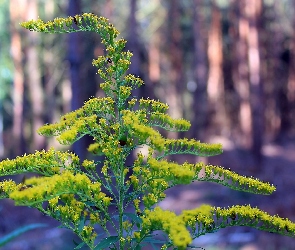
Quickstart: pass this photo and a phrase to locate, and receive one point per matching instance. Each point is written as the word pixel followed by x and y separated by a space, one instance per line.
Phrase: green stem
pixel 121 208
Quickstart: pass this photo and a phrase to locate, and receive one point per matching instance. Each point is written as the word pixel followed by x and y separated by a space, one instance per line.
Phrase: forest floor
pixel 277 167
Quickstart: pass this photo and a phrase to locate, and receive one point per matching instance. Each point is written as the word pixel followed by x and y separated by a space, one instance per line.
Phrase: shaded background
pixel 225 65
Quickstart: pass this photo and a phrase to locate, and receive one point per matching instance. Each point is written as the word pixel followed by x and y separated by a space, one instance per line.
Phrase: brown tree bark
pixel 291 82
pixel 17 10
pixel 34 79
pixel 242 74
pixel 174 88
pixel 154 59
pixel 200 98
pixel 108 9
pixel 215 87
pixel 133 42
pixel 273 70
pixel 253 12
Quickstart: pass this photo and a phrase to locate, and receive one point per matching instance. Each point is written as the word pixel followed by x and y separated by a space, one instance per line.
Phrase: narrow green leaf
pixel 153 241
pixel 9 237
pixel 75 243
pixel 138 247
pixel 135 218
pixel 81 224
pixel 106 242
pixel 80 245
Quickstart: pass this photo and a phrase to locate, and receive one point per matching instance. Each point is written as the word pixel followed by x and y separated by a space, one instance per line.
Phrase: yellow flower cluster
pixel 46 188
pixel 170 223
pixel 94 218
pixel 88 234
pixel 256 218
pixel 178 174
pixel 154 177
pixel 133 80
pixel 92 23
pixel 125 92
pixel 168 123
pixel 74 125
pixel 202 215
pixel 8 186
pixel 44 162
pixel 88 165
pixel 71 211
pixel 207 218
pixel 132 102
pixel 192 146
pixel 235 181
pixel 134 122
pixel 155 105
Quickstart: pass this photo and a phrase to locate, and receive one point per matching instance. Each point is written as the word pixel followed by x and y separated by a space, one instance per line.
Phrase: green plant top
pixel 91 198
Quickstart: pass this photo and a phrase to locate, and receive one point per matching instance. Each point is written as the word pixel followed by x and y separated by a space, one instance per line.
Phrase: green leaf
pixel 106 242
pixel 81 224
pixel 75 243
pixel 153 241
pixel 135 218
pixel 138 247
pixel 62 226
pixel 115 217
pixel 79 246
pixel 9 237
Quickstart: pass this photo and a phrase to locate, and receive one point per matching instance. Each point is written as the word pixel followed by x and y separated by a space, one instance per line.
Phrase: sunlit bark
pixel 215 87
pixel 291 79
pixel 173 90
pixel 154 59
pixel 253 12
pixel 242 83
pixel 34 80
pixel 17 10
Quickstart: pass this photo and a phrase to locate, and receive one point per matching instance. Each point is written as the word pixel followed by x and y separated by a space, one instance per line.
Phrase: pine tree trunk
pixel 34 80
pixel 200 99
pixel 17 10
pixel 215 88
pixel 253 11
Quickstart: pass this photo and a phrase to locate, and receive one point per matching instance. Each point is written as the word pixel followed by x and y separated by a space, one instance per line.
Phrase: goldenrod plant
pixel 108 204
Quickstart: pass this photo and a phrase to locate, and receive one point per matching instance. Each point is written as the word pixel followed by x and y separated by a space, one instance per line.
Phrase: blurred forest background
pixel 228 66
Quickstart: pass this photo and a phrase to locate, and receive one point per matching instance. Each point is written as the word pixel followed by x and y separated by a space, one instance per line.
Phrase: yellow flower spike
pixel 8 186
pixel 53 202
pixel 169 222
pixel 107 201
pixel 134 180
pixel 94 218
pixel 127 225
pixel 89 165
pixel 126 170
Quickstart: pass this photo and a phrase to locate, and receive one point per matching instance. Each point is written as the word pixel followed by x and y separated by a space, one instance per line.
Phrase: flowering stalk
pixel 89 203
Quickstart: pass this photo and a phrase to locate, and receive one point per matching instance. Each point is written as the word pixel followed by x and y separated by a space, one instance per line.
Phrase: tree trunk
pixel 34 80
pixel 253 11
pixel 200 100
pixel 215 88
pixel 291 82
pixel 242 77
pixel 273 70
pixel 17 10
pixel 173 89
